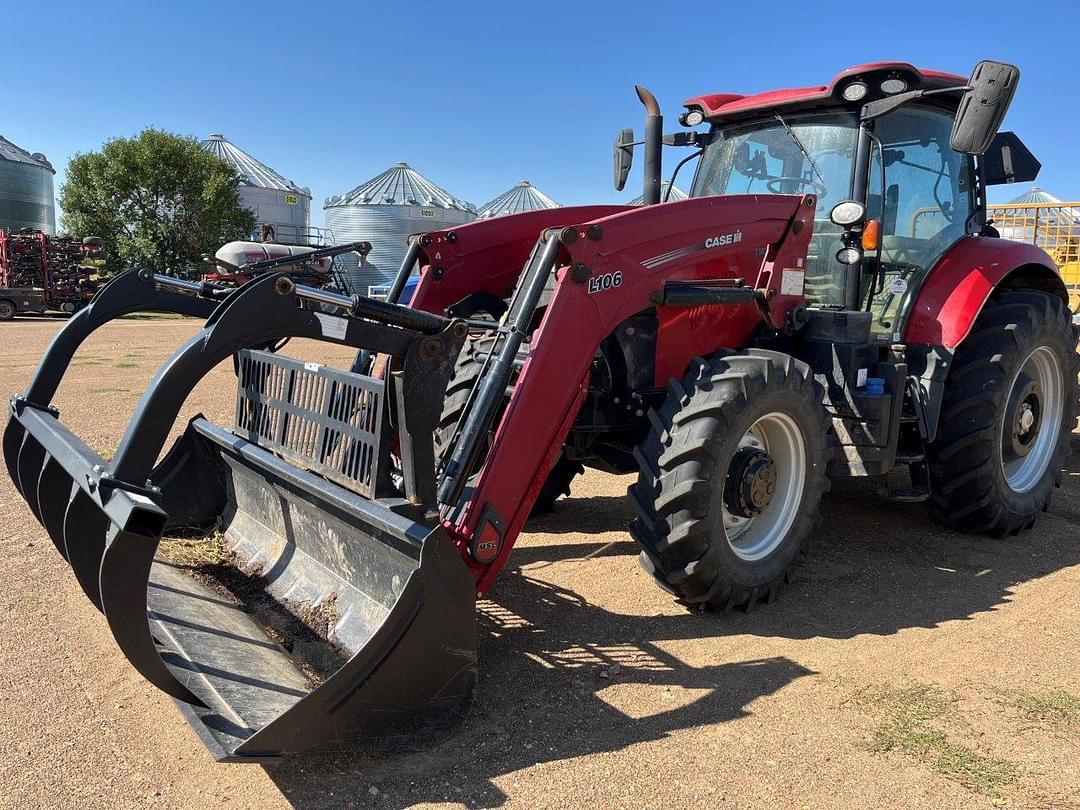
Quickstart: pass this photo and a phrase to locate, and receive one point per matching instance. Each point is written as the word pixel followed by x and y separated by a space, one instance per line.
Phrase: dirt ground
pixel 907 667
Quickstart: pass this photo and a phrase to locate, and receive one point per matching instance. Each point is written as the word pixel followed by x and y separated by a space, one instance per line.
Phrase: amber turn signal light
pixel 871 234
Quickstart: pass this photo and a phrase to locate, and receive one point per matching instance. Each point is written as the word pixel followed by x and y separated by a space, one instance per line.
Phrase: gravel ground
pixel 908 666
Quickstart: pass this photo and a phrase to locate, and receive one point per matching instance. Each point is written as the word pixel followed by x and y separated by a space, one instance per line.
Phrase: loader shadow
pixel 874 568
pixel 560 678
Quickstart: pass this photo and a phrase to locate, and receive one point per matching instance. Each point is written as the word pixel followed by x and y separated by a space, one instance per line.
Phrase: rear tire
pixel 469 364
pixel 708 534
pixel 1008 409
pixel 7 310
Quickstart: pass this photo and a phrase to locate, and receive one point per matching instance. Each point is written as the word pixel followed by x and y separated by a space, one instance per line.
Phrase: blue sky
pixel 478 96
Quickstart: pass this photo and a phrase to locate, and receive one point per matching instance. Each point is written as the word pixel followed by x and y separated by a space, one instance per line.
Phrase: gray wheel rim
pixel 1022 474
pixel 754 538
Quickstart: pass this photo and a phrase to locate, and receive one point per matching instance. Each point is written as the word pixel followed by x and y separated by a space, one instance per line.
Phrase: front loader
pixel 829 303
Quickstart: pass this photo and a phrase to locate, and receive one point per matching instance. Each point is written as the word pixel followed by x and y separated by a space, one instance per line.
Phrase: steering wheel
pixel 814 184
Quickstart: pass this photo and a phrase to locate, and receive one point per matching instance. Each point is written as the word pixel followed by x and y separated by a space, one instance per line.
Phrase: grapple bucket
pixel 317 608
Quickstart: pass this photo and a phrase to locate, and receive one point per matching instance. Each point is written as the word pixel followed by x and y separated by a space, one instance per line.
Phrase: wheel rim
pixel 6 310
pixel 1032 422
pixel 778 436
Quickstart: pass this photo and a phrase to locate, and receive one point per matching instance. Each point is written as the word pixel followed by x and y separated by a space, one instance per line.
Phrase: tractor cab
pixel 875 146
pixel 917 195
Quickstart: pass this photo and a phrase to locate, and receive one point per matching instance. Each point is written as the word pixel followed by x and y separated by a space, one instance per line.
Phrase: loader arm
pixel 486 256
pixel 650 247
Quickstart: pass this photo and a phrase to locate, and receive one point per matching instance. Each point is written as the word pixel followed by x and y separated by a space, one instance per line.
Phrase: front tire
pixel 731 479
pixel 467 371
pixel 7 310
pixel 1008 409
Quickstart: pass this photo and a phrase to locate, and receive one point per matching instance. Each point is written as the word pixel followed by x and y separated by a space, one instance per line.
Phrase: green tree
pixel 158 200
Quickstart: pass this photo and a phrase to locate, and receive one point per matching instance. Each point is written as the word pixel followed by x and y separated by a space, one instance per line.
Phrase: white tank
pixel 240 253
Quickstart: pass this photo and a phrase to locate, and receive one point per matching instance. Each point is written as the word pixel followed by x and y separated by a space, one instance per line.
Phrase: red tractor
pixel 829 303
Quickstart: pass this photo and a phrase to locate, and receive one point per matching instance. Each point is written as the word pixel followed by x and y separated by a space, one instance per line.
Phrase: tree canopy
pixel 158 200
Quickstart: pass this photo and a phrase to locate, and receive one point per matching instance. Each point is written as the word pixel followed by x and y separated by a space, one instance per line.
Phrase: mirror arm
pixel 878 108
pixel 683 139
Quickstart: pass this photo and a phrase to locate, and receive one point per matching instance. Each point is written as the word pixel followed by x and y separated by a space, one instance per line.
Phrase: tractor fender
pixel 953 294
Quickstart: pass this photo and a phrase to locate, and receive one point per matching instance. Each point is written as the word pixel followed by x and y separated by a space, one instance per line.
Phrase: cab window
pixel 923 201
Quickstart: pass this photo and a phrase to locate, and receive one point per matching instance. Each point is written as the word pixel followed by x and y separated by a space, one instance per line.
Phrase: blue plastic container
pixel 875 386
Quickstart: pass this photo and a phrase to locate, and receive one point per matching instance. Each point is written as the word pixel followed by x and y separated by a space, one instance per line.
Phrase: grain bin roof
pixel 1035 196
pixel 522 197
pixel 399 185
pixel 16 154
pixel 676 194
pixel 251 171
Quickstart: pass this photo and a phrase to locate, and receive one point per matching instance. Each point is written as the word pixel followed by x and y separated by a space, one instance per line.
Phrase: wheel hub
pixel 751 482
pixel 1032 422
pixel 1024 415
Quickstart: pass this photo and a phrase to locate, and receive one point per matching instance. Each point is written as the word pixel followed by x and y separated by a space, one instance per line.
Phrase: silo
pixel 26 189
pixel 676 194
pixel 274 199
pixel 522 197
pixel 384 211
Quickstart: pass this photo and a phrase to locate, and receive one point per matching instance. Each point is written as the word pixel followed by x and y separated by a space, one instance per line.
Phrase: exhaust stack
pixel 654 134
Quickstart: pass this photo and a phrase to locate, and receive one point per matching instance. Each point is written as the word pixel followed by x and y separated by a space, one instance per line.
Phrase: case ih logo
pixel 726 239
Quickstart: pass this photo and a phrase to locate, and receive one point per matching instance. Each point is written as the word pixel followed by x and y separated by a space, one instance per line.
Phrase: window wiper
pixel 802 148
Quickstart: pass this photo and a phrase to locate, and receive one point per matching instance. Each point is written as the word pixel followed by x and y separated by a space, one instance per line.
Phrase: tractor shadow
pixel 874 568
pixel 547 661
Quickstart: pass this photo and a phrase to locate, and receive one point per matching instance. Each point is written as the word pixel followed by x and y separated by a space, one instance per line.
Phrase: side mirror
pixel 1008 160
pixel 623 157
pixel 983 107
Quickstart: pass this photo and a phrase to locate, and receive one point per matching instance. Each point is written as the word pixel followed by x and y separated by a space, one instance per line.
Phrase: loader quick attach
pixel 737 350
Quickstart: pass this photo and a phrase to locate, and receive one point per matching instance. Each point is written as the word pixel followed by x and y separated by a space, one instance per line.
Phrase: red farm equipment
pixel 785 326
pixel 41 273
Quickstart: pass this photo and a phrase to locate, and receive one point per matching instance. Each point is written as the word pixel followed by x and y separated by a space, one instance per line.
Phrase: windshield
pixel 764 158
pixel 767 157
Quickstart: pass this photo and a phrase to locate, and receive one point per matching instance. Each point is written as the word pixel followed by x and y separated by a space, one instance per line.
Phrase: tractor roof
pixel 722 106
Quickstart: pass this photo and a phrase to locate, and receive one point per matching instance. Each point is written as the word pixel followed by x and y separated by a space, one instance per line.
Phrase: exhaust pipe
pixel 654 134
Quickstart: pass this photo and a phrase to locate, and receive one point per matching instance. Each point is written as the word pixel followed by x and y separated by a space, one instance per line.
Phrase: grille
pixel 319 418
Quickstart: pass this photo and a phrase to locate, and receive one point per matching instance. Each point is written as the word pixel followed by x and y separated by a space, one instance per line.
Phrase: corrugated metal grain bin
pixel 522 197
pixel 384 211
pixel 26 189
pixel 275 200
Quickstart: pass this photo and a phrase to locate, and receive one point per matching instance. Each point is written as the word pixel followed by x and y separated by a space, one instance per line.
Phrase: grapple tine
pixel 85 526
pixel 31 458
pixel 54 491
pixel 14 434
pixel 124 578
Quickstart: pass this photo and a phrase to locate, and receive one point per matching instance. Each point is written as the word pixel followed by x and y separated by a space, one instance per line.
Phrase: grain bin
pixel 384 211
pixel 26 190
pixel 274 199
pixel 676 194
pixel 522 197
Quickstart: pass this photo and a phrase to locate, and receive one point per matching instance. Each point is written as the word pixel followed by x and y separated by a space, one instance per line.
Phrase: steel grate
pixel 320 418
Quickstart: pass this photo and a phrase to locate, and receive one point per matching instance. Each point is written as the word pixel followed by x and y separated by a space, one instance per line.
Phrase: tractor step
pixel 904 495
pixel 916 457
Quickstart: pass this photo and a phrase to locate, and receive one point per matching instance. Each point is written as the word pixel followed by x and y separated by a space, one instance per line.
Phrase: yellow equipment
pixel 1055 227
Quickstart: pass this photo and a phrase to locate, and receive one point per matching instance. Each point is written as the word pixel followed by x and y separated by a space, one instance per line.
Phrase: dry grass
pixel 197 552
pixel 916 721
pixel 1056 706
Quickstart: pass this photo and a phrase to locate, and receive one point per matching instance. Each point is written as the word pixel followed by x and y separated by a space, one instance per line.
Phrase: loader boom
pixel 643 249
